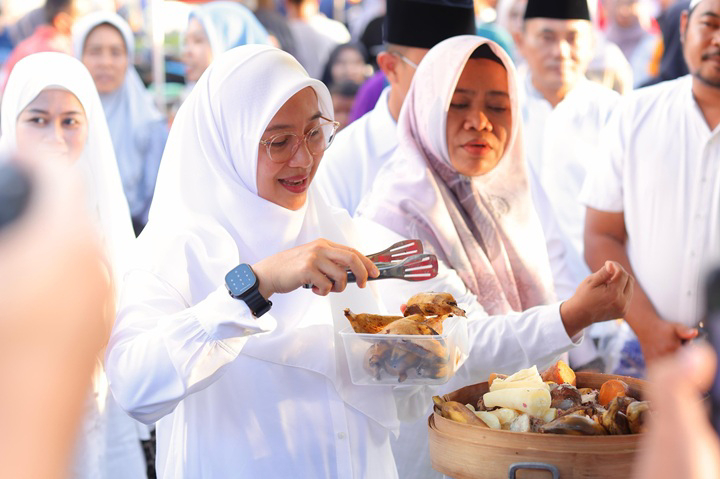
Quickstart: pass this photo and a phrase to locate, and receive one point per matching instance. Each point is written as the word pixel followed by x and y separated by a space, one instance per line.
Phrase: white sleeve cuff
pixel 225 318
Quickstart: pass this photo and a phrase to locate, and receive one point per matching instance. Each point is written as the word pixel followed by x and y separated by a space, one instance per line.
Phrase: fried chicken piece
pixel 433 304
pixel 369 323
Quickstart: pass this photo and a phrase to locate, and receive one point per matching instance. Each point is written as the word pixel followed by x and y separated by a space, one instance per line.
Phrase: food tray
pixel 461 451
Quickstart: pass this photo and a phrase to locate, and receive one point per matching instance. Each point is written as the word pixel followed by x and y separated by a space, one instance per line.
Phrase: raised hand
pixel 602 296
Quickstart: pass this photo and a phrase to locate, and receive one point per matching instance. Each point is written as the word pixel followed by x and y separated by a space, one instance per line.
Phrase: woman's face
pixel 479 118
pixel 52 125
pixel 197 54
pixel 286 184
pixel 348 66
pixel 106 57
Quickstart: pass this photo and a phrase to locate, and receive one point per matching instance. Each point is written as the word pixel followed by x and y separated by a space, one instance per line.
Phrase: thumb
pixel 683 332
pixel 603 275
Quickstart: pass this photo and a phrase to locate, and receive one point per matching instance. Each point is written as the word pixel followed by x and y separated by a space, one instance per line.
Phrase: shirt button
pixel 341 435
pixel 689 293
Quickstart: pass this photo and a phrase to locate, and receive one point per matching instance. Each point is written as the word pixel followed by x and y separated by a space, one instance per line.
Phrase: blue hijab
pixel 229 25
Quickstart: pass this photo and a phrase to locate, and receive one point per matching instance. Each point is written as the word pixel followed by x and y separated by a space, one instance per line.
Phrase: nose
pixel 478 121
pixel 58 135
pixel 302 157
pixel 563 49
pixel 716 38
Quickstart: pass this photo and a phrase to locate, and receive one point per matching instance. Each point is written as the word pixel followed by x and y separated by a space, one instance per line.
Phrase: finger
pixel 684 332
pixel 614 270
pixel 335 272
pixel 349 258
pixel 369 265
pixel 629 286
pixel 601 276
pixel 322 285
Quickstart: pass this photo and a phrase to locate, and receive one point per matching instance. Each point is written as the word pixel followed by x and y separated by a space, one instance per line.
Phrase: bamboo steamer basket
pixel 462 451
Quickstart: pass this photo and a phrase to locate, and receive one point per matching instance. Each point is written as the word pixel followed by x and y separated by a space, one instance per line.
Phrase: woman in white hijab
pixel 235 395
pixel 104 43
pixel 59 117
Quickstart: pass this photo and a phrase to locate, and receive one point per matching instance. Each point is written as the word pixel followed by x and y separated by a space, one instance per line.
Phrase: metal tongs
pixel 403 260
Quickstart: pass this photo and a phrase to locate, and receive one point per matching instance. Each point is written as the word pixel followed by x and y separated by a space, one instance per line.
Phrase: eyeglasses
pixel 283 146
pixel 405 59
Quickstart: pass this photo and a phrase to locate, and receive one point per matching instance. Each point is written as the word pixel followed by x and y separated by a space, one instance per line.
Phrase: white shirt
pixel 559 143
pixel 658 165
pixel 224 414
pixel 350 165
pixel 315 39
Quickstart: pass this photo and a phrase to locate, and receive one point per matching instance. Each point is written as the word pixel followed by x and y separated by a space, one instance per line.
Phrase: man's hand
pixel 659 338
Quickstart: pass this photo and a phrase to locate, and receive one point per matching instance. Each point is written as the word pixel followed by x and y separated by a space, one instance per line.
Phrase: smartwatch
pixel 242 284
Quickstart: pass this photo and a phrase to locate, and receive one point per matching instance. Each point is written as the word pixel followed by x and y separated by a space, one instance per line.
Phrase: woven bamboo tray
pixel 461 451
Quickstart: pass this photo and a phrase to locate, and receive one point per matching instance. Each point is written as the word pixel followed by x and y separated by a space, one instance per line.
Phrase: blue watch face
pixel 240 280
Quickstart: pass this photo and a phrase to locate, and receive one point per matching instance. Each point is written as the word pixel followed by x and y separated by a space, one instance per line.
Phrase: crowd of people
pixel 560 158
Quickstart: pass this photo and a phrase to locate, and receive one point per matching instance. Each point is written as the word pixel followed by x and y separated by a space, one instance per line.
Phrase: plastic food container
pixel 392 359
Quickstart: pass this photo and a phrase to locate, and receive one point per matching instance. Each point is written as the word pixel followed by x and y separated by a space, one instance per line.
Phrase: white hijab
pixel 129 110
pixel 207 217
pixel 484 227
pixel 105 197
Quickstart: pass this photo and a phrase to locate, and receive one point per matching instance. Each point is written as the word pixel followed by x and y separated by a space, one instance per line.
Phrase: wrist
pixel 573 318
pixel 644 324
pixel 265 287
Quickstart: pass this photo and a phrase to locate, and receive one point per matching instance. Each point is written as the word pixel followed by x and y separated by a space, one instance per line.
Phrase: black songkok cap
pixel 561 9
pixel 425 23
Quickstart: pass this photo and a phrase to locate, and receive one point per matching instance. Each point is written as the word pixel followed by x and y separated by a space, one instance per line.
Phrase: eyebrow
pixel 498 93
pixel 710 14
pixel 45 112
pixel 491 92
pixel 315 116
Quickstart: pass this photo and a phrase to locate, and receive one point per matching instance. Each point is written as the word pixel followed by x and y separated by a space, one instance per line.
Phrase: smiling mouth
pixel 295 185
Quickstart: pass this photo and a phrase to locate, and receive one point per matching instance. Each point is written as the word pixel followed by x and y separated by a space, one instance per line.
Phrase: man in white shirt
pixel 412 27
pixel 654 195
pixel 562 110
pixel 316 36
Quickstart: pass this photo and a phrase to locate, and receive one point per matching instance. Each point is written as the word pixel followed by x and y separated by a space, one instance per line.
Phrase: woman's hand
pixel 322 263
pixel 602 296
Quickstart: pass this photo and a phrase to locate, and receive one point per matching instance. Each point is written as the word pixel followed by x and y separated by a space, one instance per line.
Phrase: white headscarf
pixel 97 162
pixel 484 227
pixel 207 217
pixel 129 110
